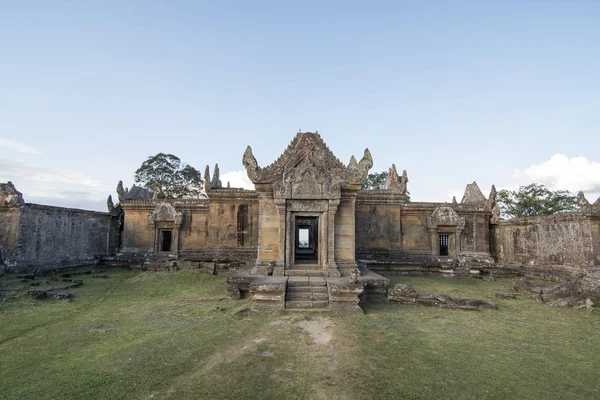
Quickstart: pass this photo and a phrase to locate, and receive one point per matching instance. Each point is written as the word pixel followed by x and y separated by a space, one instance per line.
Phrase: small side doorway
pixel 166 240
pixel 307 237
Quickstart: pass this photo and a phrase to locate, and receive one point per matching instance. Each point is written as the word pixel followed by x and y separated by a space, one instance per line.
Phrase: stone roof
pixel 473 195
pixel 304 144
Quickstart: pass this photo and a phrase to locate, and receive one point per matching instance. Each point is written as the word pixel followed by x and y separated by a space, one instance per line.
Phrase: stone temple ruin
pixel 307 237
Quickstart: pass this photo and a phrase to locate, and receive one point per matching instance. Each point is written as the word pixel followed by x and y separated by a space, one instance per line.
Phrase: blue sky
pixel 496 92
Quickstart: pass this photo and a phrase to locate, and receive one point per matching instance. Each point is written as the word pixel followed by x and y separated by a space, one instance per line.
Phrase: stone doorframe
pixel 444 220
pixel 165 216
pixel 324 210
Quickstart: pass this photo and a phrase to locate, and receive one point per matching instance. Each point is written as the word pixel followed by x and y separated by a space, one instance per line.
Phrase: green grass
pixel 153 336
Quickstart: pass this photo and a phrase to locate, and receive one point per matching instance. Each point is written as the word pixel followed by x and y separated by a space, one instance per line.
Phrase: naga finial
pixel 250 163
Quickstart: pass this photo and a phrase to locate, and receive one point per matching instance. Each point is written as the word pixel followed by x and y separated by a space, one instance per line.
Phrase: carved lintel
pixel 308 205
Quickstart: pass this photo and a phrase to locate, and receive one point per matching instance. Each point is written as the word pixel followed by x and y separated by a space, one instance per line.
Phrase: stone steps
pixel 306 293
pixel 304 305
pixel 306 281
pixel 305 272
pixel 312 296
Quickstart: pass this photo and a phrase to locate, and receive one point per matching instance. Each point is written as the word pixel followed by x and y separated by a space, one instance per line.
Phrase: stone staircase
pixel 306 270
pixel 307 293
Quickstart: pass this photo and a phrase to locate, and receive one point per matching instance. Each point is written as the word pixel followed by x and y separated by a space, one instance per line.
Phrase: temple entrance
pixel 306 249
pixel 166 240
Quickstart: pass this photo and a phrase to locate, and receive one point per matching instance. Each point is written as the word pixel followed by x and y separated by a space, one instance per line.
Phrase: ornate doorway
pixel 307 240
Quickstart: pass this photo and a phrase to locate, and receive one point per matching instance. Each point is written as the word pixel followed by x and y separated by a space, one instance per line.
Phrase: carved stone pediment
pixel 308 169
pixel 445 216
pixel 165 212
pixel 473 195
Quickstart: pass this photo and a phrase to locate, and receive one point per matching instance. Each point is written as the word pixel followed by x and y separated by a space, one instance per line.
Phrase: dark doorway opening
pixel 443 241
pixel 166 239
pixel 307 239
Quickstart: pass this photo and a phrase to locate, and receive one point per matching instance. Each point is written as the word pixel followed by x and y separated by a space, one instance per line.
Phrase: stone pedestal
pixel 343 296
pixel 268 293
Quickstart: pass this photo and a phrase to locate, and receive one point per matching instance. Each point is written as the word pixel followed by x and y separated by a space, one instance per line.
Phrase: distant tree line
pixel 534 200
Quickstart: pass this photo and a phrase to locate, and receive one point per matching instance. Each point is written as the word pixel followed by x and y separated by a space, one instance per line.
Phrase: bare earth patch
pixel 317 329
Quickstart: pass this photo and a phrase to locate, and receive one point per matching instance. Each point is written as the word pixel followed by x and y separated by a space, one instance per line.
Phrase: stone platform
pixel 309 292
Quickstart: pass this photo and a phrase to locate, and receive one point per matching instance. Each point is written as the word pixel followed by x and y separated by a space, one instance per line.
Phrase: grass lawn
pixel 158 336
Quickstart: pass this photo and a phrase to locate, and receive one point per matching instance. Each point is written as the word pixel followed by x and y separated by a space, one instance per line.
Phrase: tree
pixel 533 200
pixel 168 177
pixel 375 181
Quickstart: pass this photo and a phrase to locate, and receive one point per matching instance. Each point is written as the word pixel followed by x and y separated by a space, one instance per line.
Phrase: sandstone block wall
pixel 225 227
pixel 567 239
pixel 50 237
pixel 9 223
pixel 388 229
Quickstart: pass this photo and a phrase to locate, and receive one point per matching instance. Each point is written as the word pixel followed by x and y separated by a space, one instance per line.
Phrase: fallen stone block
pixel 579 301
pixel 525 285
pixel 564 290
pixel 401 290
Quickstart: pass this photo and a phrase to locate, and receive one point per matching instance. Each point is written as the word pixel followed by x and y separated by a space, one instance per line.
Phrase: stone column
pixel 331 264
pixel 457 242
pixel 434 242
pixel 281 210
pixel 176 227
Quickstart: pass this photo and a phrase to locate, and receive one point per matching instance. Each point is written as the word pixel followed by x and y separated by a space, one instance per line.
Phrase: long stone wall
pixel 223 227
pixel 550 246
pixel 51 237
pixel 390 230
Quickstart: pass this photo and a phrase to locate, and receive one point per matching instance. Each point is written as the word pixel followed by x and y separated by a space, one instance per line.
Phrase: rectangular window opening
pixel 443 242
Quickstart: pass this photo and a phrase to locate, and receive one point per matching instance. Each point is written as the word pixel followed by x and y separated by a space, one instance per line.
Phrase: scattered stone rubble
pixel 406 294
pixel 52 292
pixel 568 294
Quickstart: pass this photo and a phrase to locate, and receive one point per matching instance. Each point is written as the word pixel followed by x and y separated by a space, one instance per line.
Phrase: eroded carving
pixel 473 195
pixel 215 183
pixel 308 152
pixel 165 212
pixel 394 182
pixel 445 216
pixel 112 209
pixel 307 205
pixel 585 207
pixel 9 195
pixel 136 193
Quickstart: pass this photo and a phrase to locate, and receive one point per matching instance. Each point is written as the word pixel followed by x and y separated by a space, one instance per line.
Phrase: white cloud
pixel 237 179
pixel 53 186
pixel 561 172
pixel 18 146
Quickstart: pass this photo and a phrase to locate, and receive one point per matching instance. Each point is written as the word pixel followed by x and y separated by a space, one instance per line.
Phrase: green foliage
pixel 534 200
pixel 167 176
pixel 375 181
